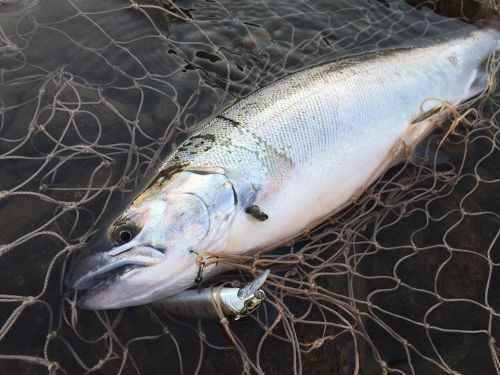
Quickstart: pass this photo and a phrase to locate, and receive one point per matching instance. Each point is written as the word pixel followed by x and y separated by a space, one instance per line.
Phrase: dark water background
pixel 95 95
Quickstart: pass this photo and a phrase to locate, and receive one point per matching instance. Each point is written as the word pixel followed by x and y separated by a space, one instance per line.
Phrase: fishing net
pixel 95 94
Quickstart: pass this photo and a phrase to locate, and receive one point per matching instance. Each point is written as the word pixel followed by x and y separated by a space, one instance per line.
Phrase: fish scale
pixel 325 132
pixel 279 161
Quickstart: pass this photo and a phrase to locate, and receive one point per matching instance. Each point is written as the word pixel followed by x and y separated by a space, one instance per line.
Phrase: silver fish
pixel 277 162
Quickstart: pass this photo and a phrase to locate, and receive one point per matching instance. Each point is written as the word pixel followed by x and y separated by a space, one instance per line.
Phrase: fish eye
pixel 124 233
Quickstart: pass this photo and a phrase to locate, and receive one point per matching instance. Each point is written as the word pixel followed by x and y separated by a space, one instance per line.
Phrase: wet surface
pixel 95 94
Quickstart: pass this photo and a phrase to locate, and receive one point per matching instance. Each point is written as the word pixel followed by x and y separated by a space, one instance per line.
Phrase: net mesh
pixel 94 95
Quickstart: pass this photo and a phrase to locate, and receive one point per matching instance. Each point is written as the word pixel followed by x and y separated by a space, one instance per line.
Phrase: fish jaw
pixel 134 273
pixel 92 269
pixel 167 228
pixel 139 285
pixel 121 277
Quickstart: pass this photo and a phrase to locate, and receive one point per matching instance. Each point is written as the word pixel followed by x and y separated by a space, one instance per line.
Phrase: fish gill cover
pixel 94 94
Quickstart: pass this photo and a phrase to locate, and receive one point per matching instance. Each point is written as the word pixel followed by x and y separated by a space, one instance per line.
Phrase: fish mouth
pixel 86 300
pixel 92 271
pixel 103 275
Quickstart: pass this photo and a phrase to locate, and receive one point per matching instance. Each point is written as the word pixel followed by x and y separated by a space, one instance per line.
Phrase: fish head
pixel 150 252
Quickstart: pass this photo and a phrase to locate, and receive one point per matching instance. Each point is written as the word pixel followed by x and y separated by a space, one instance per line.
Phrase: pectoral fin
pixel 426 115
pixel 256 212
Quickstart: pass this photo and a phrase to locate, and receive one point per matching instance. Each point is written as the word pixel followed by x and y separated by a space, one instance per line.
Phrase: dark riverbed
pixel 95 94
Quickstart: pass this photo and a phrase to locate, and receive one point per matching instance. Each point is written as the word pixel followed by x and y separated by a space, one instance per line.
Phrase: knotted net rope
pixel 95 94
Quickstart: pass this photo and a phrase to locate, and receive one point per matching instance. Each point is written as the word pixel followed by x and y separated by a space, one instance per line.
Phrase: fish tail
pixel 492 23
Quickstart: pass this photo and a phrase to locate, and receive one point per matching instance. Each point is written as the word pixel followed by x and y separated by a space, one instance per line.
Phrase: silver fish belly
pixel 312 141
pixel 277 162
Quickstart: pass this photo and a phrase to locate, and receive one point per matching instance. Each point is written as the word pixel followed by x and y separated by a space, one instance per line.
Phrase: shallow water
pixel 94 95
